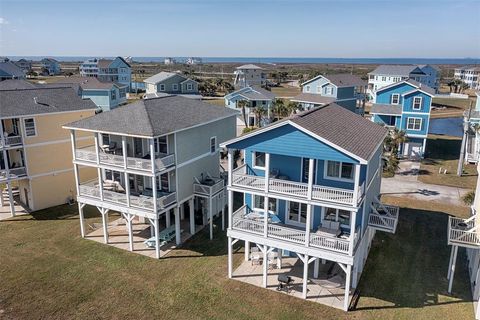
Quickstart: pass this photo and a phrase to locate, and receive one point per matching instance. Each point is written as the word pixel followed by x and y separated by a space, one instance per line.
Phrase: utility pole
pixel 466 123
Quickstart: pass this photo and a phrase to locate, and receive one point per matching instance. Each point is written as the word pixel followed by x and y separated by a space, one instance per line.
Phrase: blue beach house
pixel 405 105
pixel 317 176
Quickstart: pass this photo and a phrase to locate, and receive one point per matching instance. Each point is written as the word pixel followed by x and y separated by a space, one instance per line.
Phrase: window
pixel 163 184
pixel 213 144
pixel 297 213
pixel 105 139
pixel 174 87
pixel 417 103
pixel 328 90
pixel 339 170
pixel 306 169
pixel 307 88
pixel 259 160
pixel 161 87
pixel 189 87
pixel 414 124
pixel 113 95
pixel 384 78
pixel 161 145
pixel 395 98
pixel 259 203
pixel 342 216
pixel 30 130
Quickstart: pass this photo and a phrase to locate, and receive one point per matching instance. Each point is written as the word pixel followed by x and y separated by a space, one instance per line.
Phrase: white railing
pixel 463 231
pixel 89 154
pixel 203 189
pixel 11 141
pixel 298 189
pixel 384 222
pixel 14 173
pixel 90 189
pixel 282 232
pixel 472 157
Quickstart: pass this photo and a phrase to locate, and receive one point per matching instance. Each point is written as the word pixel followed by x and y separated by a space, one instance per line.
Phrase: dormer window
pixel 417 103
pixel 307 88
pixel 395 98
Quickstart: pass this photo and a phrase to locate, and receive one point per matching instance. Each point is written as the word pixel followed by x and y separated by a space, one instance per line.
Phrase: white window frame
pixel 419 104
pixel 175 87
pixel 189 86
pixel 414 119
pixel 339 178
pixel 293 222
pixel 214 139
pixel 329 90
pixel 337 213
pixel 254 158
pixel 161 87
pixel 307 88
pixel 263 208
pixel 25 127
pixel 395 95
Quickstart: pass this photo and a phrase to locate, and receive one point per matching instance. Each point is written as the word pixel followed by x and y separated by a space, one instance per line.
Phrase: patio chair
pixel 285 282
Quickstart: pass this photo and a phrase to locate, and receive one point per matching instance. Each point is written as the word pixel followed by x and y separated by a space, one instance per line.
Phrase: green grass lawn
pixel 217 102
pixel 49 272
pixel 443 152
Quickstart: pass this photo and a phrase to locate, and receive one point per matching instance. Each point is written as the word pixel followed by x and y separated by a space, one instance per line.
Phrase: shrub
pixel 247 130
pixel 469 198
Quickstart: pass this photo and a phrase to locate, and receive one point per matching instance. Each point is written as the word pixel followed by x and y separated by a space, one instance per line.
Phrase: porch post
pixel 229 183
pixel 450 263
pixel 10 197
pixel 308 223
pixel 279 258
pixel 97 151
pixel 130 231
pixel 353 218
pixel 210 212
pixel 82 225
pixel 356 187
pixel 177 226
pixel 265 266
pixel 192 217
pixel 230 209
pixel 267 171
pixel 167 218
pixel 154 178
pixel 182 211
pixel 265 216
pixel 311 165
pixel 104 223
pixel 354 276
pixel 124 152
pixel 230 258
pixel 305 276
pixel 157 238
pixel 2 201
pixel 247 250
pixel 450 282
pixel 223 210
pixel 316 267
pixel 346 301
pixel 127 188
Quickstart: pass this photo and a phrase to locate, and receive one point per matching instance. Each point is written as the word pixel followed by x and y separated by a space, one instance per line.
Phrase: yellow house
pixel 35 152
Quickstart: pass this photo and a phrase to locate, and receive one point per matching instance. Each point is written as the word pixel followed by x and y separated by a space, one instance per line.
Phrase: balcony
pixel 383 217
pixel 208 187
pixel 15 173
pixel 11 141
pixel 294 189
pixel 161 163
pixel 91 190
pixel 298 236
pixel 463 232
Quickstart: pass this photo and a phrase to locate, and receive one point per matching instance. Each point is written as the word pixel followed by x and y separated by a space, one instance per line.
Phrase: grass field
pixel 285 91
pixel 443 152
pixel 49 272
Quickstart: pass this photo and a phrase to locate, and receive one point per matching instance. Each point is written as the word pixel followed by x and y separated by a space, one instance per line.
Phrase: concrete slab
pixel 5 211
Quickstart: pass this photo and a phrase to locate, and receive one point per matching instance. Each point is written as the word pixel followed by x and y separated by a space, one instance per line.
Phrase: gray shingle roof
pixel 10 68
pixel 24 102
pixel 89 83
pixel 159 77
pixel 414 83
pixel 249 66
pixel 13 84
pixel 393 109
pixel 254 93
pixel 395 70
pixel 312 98
pixel 346 80
pixel 349 131
pixel 154 117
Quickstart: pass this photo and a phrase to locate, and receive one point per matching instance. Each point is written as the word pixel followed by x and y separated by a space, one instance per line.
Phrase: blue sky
pixel 233 28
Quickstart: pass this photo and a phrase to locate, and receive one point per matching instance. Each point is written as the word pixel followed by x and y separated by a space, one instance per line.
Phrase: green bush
pixel 247 130
pixel 469 198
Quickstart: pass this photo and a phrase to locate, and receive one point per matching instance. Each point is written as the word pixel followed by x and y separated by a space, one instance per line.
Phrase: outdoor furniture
pixel 109 148
pixel 259 216
pixel 329 229
pixel 165 236
pixel 285 283
pixel 274 173
pixel 255 256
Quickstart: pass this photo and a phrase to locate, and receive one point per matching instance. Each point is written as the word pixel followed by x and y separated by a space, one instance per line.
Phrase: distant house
pixel 17 84
pixel 50 67
pixel 194 60
pixel 9 70
pixel 406 106
pixel 24 64
pixel 432 78
pixel 472 122
pixel 169 61
pixel 105 94
pixel 114 70
pixel 256 97
pixel 470 75
pixel 345 90
pixel 385 75
pixel 170 83
pixel 249 75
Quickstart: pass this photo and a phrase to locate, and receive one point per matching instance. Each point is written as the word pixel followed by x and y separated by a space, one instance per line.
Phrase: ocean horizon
pixel 274 60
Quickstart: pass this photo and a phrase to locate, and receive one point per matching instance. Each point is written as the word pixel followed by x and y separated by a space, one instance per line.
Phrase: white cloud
pixel 3 21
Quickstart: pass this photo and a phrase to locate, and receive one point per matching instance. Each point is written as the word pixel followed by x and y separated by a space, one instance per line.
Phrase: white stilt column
pixel 105 224
pixel 305 276
pixel 452 268
pixel 265 266
pixel 130 231
pixel 230 258
pixel 210 213
pixel 346 301
pixel 10 198
pixel 182 211
pixel 178 239
pixel 192 217
pixel 157 238
pixel 247 250
pixel 316 267
pixel 167 218
pixel 279 258
pixel 223 210
pixel 82 223
pixel 2 201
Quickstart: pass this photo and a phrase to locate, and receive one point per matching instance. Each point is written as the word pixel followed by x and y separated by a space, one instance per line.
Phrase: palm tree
pixel 398 138
pixel 259 112
pixel 242 104
pixel 292 107
pixel 279 109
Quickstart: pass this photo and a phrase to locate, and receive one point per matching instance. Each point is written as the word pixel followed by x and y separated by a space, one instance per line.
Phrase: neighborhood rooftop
pixel 23 102
pixel 256 93
pixel 88 83
pixel 8 67
pixel 390 109
pixel 161 76
pixel 154 117
pixel 414 83
pixel 397 70
pixel 312 98
pixel 249 66
pixel 14 84
pixel 341 80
